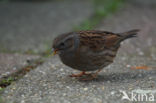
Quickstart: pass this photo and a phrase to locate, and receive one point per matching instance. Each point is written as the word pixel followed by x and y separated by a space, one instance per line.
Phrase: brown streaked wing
pixel 98 40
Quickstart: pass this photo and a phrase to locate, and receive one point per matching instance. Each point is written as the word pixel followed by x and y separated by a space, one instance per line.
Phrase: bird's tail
pixel 129 34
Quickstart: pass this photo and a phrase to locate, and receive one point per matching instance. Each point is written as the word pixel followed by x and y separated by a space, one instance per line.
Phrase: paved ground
pixel 50 83
pixel 27 27
pixel 34 25
pixel 11 63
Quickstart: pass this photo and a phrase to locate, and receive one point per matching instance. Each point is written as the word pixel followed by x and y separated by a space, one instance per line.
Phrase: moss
pixel 19 74
pixel 47 53
pixel 6 82
pixel 1 100
pixel 1 89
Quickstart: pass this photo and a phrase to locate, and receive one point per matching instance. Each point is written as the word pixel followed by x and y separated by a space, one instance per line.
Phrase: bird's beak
pixel 54 52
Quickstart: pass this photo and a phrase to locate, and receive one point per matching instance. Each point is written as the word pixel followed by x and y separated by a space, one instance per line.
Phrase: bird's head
pixel 65 43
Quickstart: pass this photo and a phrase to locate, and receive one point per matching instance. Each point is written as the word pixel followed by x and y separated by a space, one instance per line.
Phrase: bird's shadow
pixel 119 77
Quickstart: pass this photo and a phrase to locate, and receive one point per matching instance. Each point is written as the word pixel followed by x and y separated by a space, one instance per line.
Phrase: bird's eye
pixel 62 44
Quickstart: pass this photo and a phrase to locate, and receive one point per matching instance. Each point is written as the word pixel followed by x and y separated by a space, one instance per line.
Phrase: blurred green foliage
pixel 30 0
pixel 102 8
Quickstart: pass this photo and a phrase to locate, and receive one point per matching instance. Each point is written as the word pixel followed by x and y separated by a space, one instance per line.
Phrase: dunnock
pixel 89 50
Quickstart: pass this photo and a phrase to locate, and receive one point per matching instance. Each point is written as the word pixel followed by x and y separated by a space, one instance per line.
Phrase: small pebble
pixel 64 94
pixel 85 89
pixel 103 88
pixel 128 66
pixel 112 92
pixel 150 78
pixel 61 69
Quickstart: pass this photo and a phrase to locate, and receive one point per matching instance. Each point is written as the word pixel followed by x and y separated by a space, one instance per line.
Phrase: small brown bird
pixel 89 50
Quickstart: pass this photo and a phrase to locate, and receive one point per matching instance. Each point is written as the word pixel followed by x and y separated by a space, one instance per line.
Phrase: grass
pixel 102 8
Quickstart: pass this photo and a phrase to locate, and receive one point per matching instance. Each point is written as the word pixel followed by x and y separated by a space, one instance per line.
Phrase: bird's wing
pixel 98 40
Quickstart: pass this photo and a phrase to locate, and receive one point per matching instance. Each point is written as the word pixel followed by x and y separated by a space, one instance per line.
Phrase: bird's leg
pixel 79 75
pixel 96 73
pixel 93 76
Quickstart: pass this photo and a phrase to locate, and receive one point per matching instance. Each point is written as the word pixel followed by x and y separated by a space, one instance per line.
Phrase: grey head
pixel 66 43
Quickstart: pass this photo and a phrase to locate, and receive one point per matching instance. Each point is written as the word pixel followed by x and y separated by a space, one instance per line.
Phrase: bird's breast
pixel 87 60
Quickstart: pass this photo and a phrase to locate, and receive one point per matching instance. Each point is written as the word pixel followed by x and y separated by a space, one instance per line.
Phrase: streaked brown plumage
pixel 89 50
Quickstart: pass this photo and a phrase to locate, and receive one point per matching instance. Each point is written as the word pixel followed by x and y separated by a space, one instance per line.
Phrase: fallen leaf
pixel 141 67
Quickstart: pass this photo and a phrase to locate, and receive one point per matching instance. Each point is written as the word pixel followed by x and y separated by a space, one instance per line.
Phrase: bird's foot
pixel 91 77
pixel 79 75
